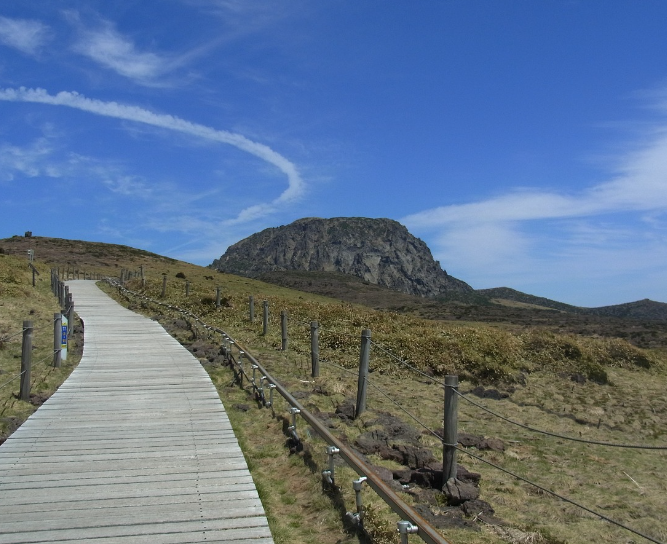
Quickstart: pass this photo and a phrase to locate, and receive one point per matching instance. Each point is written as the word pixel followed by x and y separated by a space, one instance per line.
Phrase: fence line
pixel 12 379
pixel 415 524
pixel 556 435
pixel 523 479
pixel 8 338
pixel 297 409
pixel 565 499
pixel 406 364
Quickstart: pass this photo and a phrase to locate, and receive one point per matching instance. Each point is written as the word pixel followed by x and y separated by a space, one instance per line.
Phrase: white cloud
pixel 108 48
pixel 127 186
pixel 640 184
pixel 26 35
pixel 295 185
pixel 30 161
pixel 546 237
pixel 114 51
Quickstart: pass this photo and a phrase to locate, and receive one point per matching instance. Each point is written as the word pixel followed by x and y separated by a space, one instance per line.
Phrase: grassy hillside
pixel 600 389
pixel 574 385
pixel 20 301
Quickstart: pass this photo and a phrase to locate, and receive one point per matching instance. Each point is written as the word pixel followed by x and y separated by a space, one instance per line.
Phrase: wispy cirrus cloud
pixel 26 35
pixel 105 45
pixel 295 185
pixel 598 231
pixel 30 161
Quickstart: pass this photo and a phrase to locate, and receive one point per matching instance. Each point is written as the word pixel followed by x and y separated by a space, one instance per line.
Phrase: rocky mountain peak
pixel 380 251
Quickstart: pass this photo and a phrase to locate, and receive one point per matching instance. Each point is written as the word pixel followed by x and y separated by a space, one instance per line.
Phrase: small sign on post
pixel 63 338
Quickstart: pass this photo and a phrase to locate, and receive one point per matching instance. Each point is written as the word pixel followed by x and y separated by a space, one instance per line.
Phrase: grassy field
pixel 591 388
pixel 601 389
pixel 20 301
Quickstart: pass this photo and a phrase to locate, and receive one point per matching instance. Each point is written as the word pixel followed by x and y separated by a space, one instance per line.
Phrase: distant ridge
pixel 506 293
pixel 641 309
pixel 481 304
pixel 379 251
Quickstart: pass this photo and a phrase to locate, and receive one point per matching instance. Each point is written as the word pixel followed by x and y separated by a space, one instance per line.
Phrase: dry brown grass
pixel 630 408
pixel 20 301
pixel 624 484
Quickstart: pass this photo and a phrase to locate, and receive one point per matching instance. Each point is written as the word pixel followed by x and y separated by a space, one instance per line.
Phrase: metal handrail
pixel 424 530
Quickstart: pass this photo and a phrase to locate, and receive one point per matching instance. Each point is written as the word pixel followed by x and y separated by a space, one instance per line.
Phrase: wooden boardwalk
pixel 134 447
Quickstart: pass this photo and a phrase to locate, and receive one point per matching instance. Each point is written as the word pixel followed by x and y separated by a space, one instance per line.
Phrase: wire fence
pixel 389 397
pixel 11 336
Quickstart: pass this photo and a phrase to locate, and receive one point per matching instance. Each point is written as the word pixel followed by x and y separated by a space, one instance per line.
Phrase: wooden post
pixel 26 360
pixel 252 309
pixel 265 320
pixel 164 285
pixel 315 348
pixel 70 317
pixel 57 333
pixel 217 297
pixel 283 330
pixel 364 358
pixel 187 288
pixel 450 436
pixel 33 274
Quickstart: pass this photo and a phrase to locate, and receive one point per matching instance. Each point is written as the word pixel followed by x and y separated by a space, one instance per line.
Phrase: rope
pixel 413 417
pixel 406 364
pixel 545 490
pixel 555 435
pixel 326 362
pixel 12 379
pixel 7 338
pixel 565 499
pixel 47 358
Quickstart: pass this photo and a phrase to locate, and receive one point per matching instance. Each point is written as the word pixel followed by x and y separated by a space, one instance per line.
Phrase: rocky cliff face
pixel 380 251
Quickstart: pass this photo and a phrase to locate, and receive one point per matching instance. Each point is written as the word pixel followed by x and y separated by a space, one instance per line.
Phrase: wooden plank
pixel 134 447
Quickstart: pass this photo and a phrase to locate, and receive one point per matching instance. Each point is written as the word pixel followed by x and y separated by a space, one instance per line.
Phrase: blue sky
pixel 525 142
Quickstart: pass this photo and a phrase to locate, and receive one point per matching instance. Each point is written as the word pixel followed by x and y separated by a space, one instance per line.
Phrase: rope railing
pixel 521 478
pixel 561 497
pixel 406 364
pixel 556 435
pixel 425 531
pixel 16 377
pixel 365 379
pixel 11 337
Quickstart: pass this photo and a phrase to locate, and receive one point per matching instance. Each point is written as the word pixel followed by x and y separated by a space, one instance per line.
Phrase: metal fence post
pixel 364 358
pixel 450 436
pixel 283 330
pixel 265 320
pixel 26 360
pixel 57 333
pixel 252 309
pixel 315 348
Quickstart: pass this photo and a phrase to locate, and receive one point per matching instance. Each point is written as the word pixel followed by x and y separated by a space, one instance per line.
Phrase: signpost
pixel 63 338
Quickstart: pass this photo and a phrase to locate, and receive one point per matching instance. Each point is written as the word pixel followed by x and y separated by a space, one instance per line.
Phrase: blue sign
pixel 63 338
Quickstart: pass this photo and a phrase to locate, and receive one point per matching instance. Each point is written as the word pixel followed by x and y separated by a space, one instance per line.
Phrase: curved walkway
pixel 134 447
